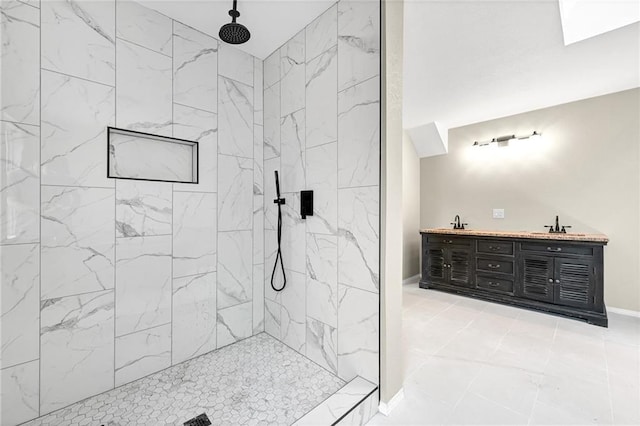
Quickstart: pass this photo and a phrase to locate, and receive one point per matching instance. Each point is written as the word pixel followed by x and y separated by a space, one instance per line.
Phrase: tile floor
pixel 474 362
pixel 255 381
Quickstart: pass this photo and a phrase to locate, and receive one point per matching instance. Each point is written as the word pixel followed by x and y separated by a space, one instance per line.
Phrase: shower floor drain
pixel 201 420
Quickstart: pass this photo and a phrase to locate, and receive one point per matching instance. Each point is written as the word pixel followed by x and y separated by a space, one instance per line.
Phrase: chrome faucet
pixel 456 223
pixel 556 229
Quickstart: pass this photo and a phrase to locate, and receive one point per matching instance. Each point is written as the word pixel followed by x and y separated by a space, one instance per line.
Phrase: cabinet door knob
pixel 557 281
pixel 550 280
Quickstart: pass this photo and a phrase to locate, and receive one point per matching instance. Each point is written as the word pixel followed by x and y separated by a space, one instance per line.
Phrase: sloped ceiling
pixel 471 61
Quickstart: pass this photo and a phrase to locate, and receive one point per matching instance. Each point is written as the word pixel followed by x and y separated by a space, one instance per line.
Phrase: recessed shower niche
pixel 144 156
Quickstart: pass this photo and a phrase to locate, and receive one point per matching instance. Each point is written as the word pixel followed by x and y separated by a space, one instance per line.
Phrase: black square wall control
pixel 306 204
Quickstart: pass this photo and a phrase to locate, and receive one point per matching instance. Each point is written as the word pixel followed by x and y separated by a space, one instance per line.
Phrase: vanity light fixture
pixel 504 140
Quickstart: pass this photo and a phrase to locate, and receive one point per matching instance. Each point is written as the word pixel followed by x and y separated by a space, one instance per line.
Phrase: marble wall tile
pixel 258 159
pixel 77 240
pixel 143 208
pixel 19 393
pixel 258 229
pixel 234 324
pixel 235 268
pixel 78 38
pixel 322 98
pixel 292 74
pixel 358 42
pixel 235 192
pixel 358 237
pixel 202 127
pixel 258 298
pixel 34 3
pixel 272 69
pixel 272 121
pixel 293 234
pixel 144 26
pixel 235 64
pixel 322 178
pixel 322 33
pixel 359 130
pixel 270 247
pixel 235 118
pixel 322 344
pixel 293 314
pixel 194 233
pixel 258 91
pixel 270 209
pixel 292 159
pixel 358 347
pixel 19 183
pixel 194 316
pixel 75 116
pixel 195 67
pixel 76 343
pixel 20 55
pixel 142 353
pixel 143 98
pixel 143 283
pixel 322 278
pixel 20 305
pixel 272 318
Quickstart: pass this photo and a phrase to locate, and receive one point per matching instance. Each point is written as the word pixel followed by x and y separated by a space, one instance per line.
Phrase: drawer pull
pixel 494 248
pixel 493 284
pixel 493 266
pixel 554 248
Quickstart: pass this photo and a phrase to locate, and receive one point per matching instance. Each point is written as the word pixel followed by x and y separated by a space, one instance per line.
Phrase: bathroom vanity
pixel 556 273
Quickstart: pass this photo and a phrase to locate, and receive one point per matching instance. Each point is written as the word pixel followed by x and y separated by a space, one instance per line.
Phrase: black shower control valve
pixel 279 201
pixel 306 204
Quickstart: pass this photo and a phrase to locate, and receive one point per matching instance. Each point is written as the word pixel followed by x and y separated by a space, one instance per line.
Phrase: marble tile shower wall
pixel 105 281
pixel 322 132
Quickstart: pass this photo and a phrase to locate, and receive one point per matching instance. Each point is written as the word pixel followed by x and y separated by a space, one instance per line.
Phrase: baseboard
pixel 387 408
pixel 627 312
pixel 411 280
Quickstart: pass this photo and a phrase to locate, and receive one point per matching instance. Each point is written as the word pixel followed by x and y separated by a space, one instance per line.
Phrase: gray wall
pixel 322 132
pixel 586 169
pixel 106 281
pixel 410 209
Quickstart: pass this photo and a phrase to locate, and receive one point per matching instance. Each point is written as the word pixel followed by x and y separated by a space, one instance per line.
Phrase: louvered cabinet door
pixel 574 282
pixel 537 278
pixel 436 265
pixel 460 262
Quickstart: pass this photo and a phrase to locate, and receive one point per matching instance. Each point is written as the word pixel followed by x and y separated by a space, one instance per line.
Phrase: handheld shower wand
pixel 279 201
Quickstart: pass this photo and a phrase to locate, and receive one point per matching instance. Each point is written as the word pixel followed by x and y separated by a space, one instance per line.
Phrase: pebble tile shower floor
pixel 255 381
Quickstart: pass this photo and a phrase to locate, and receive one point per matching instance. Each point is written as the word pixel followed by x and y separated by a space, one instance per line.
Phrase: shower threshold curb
pixel 355 403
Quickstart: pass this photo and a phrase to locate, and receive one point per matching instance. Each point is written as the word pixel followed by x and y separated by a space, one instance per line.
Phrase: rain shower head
pixel 234 33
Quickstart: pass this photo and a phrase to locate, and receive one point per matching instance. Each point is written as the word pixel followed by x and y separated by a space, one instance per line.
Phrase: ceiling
pixel 271 22
pixel 471 61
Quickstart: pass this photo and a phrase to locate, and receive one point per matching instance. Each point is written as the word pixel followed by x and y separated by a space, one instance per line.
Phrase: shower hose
pixel 279 201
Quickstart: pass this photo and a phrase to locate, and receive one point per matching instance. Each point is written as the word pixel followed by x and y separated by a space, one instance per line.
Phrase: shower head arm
pixel 234 12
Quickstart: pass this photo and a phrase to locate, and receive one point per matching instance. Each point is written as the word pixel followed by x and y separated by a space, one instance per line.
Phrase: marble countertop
pixel 595 238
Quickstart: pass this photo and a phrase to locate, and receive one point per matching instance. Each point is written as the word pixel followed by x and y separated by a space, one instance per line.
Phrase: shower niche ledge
pixel 144 156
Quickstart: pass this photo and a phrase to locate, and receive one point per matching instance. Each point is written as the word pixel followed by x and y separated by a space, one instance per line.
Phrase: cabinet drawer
pixel 555 248
pixel 446 239
pixel 495 284
pixel 495 265
pixel 495 247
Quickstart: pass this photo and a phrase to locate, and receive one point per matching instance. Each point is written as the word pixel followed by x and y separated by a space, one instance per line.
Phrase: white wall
pixel 586 169
pixel 106 281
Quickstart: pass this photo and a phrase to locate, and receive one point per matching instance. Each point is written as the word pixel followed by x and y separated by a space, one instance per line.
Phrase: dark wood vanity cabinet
pixel 560 277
